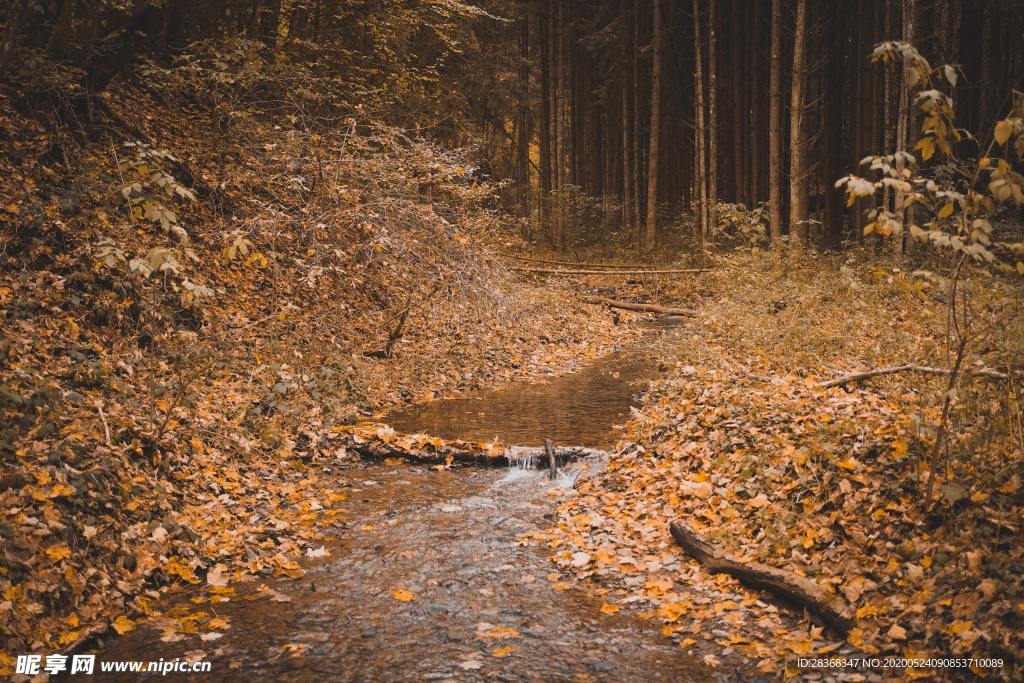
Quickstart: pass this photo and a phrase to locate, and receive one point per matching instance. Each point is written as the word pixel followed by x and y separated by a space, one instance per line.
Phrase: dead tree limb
pixel 575 264
pixel 891 370
pixel 364 441
pixel 642 308
pixel 566 271
pixel 794 588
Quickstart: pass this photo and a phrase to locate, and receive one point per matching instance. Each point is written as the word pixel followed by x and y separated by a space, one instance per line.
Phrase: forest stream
pixel 472 603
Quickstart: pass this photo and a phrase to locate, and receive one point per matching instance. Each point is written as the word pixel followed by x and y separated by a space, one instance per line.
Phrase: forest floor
pixel 171 405
pixel 740 443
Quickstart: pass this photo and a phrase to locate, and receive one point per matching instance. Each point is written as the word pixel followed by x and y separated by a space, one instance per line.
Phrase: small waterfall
pixel 522 457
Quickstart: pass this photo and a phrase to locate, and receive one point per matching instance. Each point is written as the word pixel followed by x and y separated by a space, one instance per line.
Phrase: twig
pixel 106 427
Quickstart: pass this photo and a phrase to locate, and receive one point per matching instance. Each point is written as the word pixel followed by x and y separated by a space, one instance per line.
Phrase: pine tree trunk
pixel 775 125
pixel 698 128
pixel 712 123
pixel 523 141
pixel 652 168
pixel 798 176
pixel 545 121
pixel 738 106
pixel 627 137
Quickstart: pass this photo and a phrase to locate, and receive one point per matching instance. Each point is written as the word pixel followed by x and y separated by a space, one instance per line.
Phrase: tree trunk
pixel 903 126
pixel 544 209
pixel 698 128
pixel 655 137
pixel 798 176
pixel 523 141
pixel 775 125
pixel 738 138
pixel 712 123
pixel 628 179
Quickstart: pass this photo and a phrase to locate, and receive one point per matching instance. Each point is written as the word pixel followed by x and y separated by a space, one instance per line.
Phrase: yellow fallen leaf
pixel 671 611
pixel 368 527
pixel 502 651
pixel 402 595
pixel 608 608
pixel 122 625
pixel 216 623
pixel 59 551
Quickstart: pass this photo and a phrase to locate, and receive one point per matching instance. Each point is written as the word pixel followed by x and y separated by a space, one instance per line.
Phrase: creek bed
pixel 484 606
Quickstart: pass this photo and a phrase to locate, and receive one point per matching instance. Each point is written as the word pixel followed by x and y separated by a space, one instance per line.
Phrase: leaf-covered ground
pixel 739 443
pixel 180 425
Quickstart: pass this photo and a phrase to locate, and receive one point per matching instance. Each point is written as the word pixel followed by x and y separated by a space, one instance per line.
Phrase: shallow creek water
pixel 450 539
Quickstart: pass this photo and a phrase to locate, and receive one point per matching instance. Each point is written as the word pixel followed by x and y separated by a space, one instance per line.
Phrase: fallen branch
pixel 372 443
pixel 642 308
pixel 575 264
pixel 565 271
pixel 799 590
pixel 877 372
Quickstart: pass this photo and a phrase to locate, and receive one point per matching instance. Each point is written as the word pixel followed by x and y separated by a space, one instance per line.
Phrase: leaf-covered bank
pixel 742 444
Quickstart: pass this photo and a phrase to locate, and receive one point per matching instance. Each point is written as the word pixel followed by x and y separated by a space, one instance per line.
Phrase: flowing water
pixel 483 607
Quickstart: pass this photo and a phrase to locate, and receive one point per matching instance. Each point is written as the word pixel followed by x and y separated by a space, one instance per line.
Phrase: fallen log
pixel 566 271
pixel 642 308
pixel 891 370
pixel 576 264
pixel 793 588
pixel 378 442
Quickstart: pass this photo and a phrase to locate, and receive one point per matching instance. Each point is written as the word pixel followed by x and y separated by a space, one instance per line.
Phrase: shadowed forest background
pixel 236 232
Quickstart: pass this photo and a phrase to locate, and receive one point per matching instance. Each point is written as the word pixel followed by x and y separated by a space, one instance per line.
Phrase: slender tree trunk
pixel 833 109
pixel 712 122
pixel 638 176
pixel 652 155
pixel 903 124
pixel 523 141
pixel 545 120
pixel 775 125
pixel 738 138
pixel 698 129
pixel 798 176
pixel 628 179
pixel 754 121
